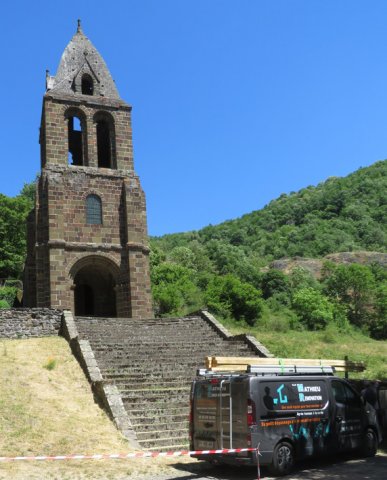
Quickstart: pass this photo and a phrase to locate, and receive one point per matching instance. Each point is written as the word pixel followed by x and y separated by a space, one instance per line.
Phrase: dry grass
pixel 50 411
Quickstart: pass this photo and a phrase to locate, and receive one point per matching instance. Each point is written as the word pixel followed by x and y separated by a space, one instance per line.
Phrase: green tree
pixel 13 214
pixel 301 278
pixel 313 308
pixel 354 286
pixel 174 290
pixel 274 282
pixel 29 192
pixel 228 296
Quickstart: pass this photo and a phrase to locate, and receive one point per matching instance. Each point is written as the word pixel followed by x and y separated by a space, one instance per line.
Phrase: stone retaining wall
pixel 29 322
pixel 107 395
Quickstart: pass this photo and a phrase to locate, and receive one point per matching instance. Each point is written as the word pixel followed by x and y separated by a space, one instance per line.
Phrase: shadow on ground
pixel 346 468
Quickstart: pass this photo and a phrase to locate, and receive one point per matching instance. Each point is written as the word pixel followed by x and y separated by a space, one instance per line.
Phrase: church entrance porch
pixel 94 285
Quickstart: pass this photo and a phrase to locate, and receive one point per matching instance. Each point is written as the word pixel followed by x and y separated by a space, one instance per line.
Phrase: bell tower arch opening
pixel 105 133
pixel 76 131
pixel 94 284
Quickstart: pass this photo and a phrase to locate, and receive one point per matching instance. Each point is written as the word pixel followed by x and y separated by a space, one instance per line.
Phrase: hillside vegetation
pixel 338 215
pixel 226 268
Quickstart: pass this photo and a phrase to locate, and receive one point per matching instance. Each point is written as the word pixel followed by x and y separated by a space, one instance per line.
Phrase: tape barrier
pixel 126 455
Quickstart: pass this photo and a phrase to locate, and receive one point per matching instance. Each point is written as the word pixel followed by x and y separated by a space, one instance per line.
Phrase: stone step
pixel 144 426
pixel 166 443
pixel 140 414
pixel 154 390
pixel 170 448
pixel 142 377
pixel 153 394
pixel 149 385
pixel 168 343
pixel 132 401
pixel 109 367
pixel 152 436
pixel 164 351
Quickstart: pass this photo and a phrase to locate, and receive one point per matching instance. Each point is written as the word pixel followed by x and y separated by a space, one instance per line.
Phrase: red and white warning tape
pixel 127 455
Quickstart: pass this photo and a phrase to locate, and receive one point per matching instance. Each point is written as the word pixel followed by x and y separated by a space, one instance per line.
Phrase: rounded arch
pixel 106 139
pixel 104 259
pixel 94 279
pixel 77 136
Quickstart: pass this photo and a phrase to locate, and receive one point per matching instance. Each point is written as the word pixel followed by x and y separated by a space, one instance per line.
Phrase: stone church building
pixel 87 236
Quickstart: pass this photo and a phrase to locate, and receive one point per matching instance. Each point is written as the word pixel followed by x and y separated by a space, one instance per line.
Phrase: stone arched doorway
pixel 94 285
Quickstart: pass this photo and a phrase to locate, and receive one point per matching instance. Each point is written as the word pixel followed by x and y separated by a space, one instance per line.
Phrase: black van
pixel 287 416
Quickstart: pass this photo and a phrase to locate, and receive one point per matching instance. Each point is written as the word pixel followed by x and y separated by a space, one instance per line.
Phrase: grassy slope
pixel 46 412
pixel 323 344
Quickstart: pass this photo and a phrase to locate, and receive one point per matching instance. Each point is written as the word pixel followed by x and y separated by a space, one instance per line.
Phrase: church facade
pixel 87 236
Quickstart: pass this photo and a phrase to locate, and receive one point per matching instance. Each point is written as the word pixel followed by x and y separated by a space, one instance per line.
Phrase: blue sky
pixel 234 101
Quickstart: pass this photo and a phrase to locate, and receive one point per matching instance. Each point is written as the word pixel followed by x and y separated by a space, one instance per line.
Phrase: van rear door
pixel 219 414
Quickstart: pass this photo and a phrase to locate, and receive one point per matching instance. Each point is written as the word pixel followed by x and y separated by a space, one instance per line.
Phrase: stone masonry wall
pixel 29 322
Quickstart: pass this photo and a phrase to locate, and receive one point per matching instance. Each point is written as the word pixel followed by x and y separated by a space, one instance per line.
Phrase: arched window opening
pixel 104 145
pixel 93 210
pixel 87 85
pixel 75 141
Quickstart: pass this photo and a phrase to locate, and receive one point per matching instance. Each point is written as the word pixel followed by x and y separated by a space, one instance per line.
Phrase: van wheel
pixel 283 459
pixel 370 446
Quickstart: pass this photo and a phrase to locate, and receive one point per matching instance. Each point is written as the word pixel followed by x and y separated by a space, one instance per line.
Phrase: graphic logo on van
pixel 282 398
pixel 313 391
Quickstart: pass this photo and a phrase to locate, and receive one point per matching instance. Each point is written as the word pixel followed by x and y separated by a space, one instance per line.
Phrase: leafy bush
pixel 274 282
pixel 314 309
pixel 4 304
pixel 354 286
pixel 8 294
pixel 235 298
pixel 174 290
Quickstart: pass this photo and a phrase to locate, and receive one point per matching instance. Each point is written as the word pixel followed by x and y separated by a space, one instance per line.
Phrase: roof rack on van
pixel 239 364
pixel 271 370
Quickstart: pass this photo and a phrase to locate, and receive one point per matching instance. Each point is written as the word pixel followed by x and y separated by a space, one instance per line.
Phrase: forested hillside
pixel 339 215
pixel 225 267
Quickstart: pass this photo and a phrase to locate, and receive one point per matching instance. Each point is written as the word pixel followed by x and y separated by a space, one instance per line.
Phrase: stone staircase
pixel 152 363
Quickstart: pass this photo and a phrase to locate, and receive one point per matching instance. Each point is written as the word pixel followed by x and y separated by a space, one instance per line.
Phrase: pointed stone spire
pixel 81 58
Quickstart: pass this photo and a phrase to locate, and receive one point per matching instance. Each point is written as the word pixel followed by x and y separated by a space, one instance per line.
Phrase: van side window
pixel 338 392
pixel 352 398
pixel 344 394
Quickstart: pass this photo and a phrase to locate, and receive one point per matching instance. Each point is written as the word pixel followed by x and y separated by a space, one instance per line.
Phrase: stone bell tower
pixel 87 237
